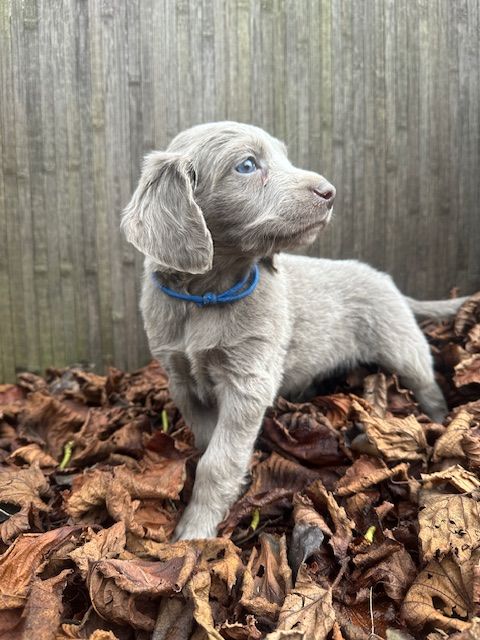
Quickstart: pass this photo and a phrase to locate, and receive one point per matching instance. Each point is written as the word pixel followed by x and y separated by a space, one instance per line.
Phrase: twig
pixel 373 635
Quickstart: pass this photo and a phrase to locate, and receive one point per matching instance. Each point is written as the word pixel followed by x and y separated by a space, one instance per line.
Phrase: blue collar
pixel 230 295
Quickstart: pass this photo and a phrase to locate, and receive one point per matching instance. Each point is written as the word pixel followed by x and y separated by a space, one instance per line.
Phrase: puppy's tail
pixel 435 309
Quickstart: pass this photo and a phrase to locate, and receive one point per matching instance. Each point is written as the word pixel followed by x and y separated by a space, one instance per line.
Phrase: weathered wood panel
pixel 382 96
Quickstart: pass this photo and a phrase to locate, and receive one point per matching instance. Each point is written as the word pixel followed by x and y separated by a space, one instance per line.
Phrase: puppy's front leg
pixel 223 467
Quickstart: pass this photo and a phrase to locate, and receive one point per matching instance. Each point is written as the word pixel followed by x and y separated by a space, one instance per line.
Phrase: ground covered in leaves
pixel 361 520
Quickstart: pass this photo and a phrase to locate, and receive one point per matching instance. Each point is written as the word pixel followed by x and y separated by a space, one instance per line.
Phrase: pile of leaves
pixel 361 520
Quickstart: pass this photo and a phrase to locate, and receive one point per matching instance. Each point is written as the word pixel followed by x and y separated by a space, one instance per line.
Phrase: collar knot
pixel 209 298
pixel 242 289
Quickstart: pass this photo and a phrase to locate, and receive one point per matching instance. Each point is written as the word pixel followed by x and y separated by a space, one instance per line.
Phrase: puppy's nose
pixel 326 192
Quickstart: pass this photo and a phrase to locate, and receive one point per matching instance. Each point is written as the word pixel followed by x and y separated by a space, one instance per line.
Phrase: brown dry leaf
pixel 304 433
pixel 125 591
pixel 274 481
pixel 473 341
pixel 198 591
pixel 276 472
pixel 40 619
pixel 83 386
pixel 336 408
pixel 467 371
pixel 120 488
pixel 148 381
pixel 22 559
pixel 103 545
pixel 356 620
pixel 23 488
pixel 16 524
pixel 472 633
pixel 342 528
pixel 449 445
pixel 267 578
pixel 10 393
pixel 456 476
pixel 307 610
pixel 386 563
pixel 32 453
pixel 217 555
pixel 174 620
pixel 441 596
pixel 54 422
pixel 468 315
pixel 366 472
pixel 239 631
pixel 394 438
pixel 375 393
pixel 103 434
pixel 448 523
pixel 102 635
pixel 401 402
pixel 471 447
pixel 222 558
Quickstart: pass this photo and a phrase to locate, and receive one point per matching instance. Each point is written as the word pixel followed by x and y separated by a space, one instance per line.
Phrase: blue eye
pixel 247 166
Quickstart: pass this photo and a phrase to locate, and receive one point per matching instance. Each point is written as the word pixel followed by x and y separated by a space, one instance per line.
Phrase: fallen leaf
pixel 22 560
pixel 386 563
pixel 125 591
pixel 267 577
pixel 174 620
pixel 472 633
pixel 441 596
pixel 336 408
pixel 23 488
pixel 31 453
pixel 470 444
pixel 274 481
pixel 240 631
pixel 305 434
pixel 394 438
pixel 40 618
pixel 50 420
pixel 120 489
pixel 375 393
pixel 341 530
pixel 456 476
pixel 449 523
pixel 103 545
pixel 367 472
pixel 198 591
pixel 10 393
pixel 468 315
pixel 449 445
pixel 468 371
pixel 307 610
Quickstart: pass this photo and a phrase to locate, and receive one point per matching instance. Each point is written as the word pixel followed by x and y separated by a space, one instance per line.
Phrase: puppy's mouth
pixel 307 229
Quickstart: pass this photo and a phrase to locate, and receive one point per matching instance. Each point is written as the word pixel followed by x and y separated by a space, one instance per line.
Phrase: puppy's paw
pixel 196 523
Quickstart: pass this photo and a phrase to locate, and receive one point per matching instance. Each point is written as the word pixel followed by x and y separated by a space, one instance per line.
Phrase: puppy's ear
pixel 163 220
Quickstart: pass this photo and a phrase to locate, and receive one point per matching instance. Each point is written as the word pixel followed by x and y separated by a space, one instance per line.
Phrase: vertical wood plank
pixel 382 97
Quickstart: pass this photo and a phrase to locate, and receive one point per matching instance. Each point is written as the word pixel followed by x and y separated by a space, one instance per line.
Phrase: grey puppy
pixel 222 198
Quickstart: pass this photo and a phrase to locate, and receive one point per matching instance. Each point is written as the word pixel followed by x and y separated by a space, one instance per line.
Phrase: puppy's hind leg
pixel 408 354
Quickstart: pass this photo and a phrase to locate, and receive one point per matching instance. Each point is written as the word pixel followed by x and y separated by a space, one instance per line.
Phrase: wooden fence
pixel 381 96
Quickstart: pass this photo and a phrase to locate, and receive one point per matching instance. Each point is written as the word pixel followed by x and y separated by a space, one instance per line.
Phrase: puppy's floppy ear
pixel 163 220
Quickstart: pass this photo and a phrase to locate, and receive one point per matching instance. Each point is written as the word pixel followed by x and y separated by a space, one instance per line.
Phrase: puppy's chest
pixel 198 371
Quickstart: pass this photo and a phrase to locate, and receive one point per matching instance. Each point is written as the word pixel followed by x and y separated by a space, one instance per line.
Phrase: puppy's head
pixel 227 186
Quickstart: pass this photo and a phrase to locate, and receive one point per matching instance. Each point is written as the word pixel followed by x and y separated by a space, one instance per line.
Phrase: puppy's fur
pixel 202 225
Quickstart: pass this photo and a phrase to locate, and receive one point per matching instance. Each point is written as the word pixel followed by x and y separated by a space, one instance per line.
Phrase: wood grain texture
pixel 380 96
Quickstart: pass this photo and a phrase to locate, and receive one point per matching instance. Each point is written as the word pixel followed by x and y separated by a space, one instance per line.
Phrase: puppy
pixel 235 321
